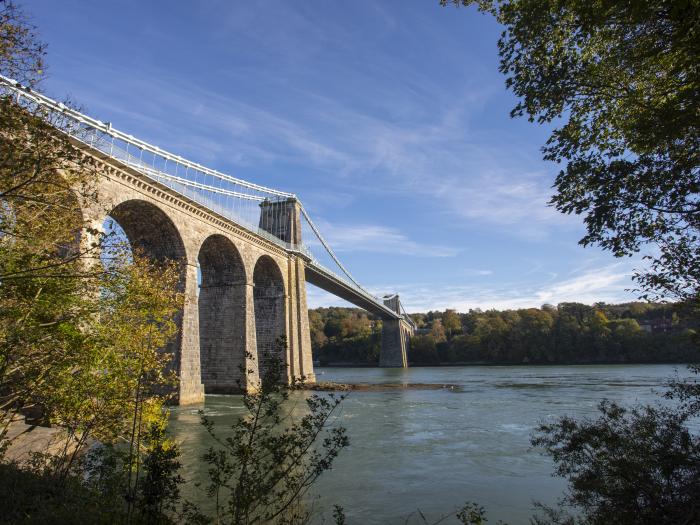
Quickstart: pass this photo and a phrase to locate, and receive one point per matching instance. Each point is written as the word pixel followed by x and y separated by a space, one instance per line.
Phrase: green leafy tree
pixel 640 465
pixel 423 350
pixel 112 389
pixel 571 333
pixel 491 329
pixel 437 331
pixel 118 377
pixel 619 81
pixel 534 329
pixel 344 335
pixel 48 279
pixel 21 52
pixel 451 322
pixel 262 470
pixel 80 343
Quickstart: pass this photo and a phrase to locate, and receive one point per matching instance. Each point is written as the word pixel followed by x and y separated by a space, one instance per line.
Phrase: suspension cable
pixel 107 128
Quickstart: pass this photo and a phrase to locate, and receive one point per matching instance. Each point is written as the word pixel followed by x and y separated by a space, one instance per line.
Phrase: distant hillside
pixel 569 333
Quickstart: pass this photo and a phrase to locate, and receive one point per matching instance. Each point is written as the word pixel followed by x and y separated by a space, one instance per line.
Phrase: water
pixel 433 449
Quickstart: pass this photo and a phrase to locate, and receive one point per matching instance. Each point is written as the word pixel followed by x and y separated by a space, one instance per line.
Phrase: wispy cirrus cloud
pixel 438 158
pixel 606 283
pixel 390 124
pixel 476 272
pixel 380 239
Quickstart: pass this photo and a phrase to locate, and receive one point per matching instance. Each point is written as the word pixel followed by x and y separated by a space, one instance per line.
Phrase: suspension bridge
pixel 248 252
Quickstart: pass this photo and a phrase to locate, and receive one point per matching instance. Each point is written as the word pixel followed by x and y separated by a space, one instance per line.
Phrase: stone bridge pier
pixel 396 335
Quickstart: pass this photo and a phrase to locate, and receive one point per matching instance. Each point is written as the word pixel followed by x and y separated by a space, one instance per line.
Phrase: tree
pixel 21 52
pixel 423 349
pixel 437 331
pixel 640 465
pixel 79 341
pixel 491 331
pixel 451 322
pixel 46 270
pixel 534 331
pixel 598 332
pixel 109 384
pixel 620 81
pixel 333 327
pixel 261 472
pixel 114 385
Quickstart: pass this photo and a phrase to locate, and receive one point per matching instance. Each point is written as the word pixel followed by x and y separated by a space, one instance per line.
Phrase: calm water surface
pixel 433 449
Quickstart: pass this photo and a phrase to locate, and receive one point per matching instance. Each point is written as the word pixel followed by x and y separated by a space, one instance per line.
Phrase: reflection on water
pixel 434 449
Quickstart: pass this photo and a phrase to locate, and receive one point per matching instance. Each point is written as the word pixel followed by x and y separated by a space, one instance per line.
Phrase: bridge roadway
pixel 331 283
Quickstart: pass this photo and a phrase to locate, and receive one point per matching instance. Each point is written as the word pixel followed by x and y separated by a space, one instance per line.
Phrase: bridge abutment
pixel 394 345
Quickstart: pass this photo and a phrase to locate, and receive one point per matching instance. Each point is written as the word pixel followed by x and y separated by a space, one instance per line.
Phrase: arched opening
pixel 268 294
pixel 150 231
pixel 222 316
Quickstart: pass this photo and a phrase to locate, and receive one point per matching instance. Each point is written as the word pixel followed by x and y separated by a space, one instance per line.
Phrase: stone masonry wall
pixel 243 316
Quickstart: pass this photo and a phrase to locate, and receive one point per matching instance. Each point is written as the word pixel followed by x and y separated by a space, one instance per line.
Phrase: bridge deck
pixel 327 281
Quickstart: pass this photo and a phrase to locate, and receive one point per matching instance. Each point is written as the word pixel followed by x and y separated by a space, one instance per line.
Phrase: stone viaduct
pixel 252 289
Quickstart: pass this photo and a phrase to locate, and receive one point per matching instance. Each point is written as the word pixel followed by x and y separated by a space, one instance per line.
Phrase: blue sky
pixel 388 119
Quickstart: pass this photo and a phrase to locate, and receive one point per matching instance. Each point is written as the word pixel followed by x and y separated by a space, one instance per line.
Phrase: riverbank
pixel 25 440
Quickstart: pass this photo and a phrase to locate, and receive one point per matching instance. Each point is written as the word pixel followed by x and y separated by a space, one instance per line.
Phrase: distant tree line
pixel 569 333
pixel 345 336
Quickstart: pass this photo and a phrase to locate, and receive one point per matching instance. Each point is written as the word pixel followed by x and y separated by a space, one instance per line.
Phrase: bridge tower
pixel 282 218
pixel 396 334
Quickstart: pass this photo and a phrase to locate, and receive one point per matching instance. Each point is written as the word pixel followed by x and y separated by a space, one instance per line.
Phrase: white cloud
pixel 477 272
pixel 336 128
pixel 450 169
pixel 379 239
pixel 605 283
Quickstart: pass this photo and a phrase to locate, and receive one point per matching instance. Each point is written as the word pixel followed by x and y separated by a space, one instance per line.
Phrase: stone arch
pixel 150 231
pixel 222 316
pixel 270 311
